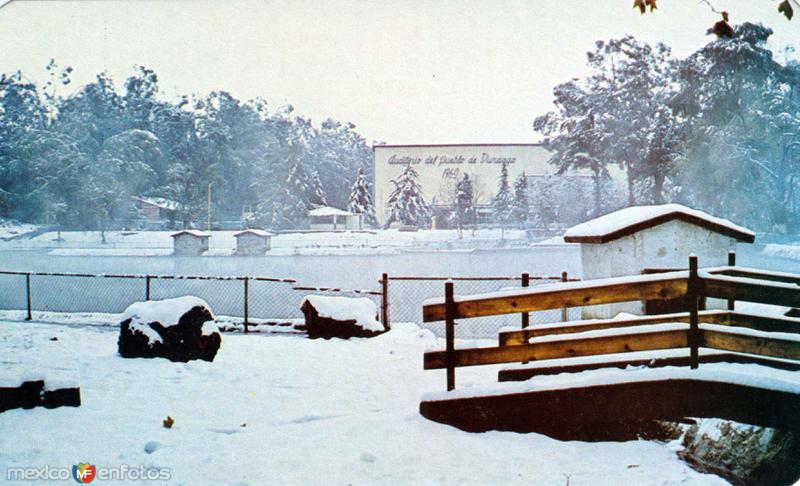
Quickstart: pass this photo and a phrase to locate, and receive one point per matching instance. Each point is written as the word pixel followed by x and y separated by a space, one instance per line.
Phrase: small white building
pixel 189 242
pixel 253 242
pixel 326 218
pixel 654 238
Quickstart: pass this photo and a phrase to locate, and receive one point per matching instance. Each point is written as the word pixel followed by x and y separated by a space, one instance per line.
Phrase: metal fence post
pixel 28 292
pixel 450 334
pixel 147 288
pixel 565 310
pixel 246 304
pixel 526 317
pixel 385 301
pixel 731 263
pixel 693 296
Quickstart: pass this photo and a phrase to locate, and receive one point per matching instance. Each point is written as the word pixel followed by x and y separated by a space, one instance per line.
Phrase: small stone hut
pixel 189 242
pixel 253 242
pixel 326 218
pixel 646 239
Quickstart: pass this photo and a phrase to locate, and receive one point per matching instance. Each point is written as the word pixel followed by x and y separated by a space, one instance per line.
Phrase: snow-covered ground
pixel 286 410
pixel 133 243
pixel 11 229
pixel 789 252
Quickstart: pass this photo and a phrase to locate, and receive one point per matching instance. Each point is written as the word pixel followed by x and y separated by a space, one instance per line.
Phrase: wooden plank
pixel 545 297
pixel 518 337
pixel 566 348
pixel 763 323
pixel 742 343
pixel 751 291
pixel 759 275
pixel 522 374
pixel 613 411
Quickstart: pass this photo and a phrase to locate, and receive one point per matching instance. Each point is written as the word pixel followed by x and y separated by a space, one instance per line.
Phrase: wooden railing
pixel 730 283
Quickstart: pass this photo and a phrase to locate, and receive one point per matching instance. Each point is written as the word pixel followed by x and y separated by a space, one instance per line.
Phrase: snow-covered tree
pixel 316 194
pixel 520 205
pixel 743 118
pixel 406 204
pixel 360 201
pixel 501 203
pixel 464 210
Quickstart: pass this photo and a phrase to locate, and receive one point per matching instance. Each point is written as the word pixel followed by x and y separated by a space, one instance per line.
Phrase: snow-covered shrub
pixel 342 317
pixel 180 329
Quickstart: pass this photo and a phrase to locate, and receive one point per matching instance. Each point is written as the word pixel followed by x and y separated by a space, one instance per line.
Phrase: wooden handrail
pixel 564 348
pixel 744 343
pixel 522 336
pixel 757 274
pixel 570 347
pixel 751 290
pixel 602 291
pixel 731 283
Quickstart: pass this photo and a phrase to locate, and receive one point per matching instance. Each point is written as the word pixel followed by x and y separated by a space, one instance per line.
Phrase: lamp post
pixel 209 206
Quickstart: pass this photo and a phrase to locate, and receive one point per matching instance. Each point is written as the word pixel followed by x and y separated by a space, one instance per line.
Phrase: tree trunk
pixel 631 196
pixel 598 196
pixel 658 188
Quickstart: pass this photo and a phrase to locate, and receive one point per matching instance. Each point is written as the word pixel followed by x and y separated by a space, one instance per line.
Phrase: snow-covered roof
pixel 636 218
pixel 328 211
pixel 256 232
pixel 159 202
pixel 198 233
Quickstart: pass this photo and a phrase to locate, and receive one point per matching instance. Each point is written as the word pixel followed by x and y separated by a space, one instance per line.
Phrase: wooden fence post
pixel 246 304
pixel 147 288
pixel 565 310
pixel 526 317
pixel 731 263
pixel 693 296
pixel 385 301
pixel 28 292
pixel 450 331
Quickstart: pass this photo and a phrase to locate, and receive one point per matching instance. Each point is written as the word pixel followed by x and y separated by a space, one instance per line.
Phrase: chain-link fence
pixel 261 300
pixel 406 295
pixel 251 300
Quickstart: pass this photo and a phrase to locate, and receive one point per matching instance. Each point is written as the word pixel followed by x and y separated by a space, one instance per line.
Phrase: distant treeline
pixel 75 160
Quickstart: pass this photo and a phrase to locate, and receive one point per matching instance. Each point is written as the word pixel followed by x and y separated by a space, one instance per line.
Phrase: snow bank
pixel 362 310
pixel 791 252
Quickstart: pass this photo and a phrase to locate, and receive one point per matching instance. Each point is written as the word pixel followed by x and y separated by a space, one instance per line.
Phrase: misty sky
pixel 402 71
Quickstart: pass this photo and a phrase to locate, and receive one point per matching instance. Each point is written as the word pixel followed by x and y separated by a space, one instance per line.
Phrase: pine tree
pixel 520 206
pixel 464 212
pixel 406 204
pixel 316 195
pixel 361 199
pixel 501 204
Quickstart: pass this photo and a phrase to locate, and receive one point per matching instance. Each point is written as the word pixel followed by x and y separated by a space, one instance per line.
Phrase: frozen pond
pixel 355 271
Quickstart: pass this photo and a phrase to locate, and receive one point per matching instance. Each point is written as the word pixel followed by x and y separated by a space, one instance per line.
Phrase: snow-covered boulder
pixel 742 454
pixel 180 329
pixel 341 317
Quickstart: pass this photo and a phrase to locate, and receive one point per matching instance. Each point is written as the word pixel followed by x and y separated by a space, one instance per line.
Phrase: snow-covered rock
pixel 342 317
pixel 743 454
pixel 180 329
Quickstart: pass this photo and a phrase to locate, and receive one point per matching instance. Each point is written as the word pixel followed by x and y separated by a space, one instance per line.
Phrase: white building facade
pixel 440 167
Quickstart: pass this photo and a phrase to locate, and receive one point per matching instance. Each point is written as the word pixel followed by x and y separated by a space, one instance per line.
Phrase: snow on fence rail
pixel 245 297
